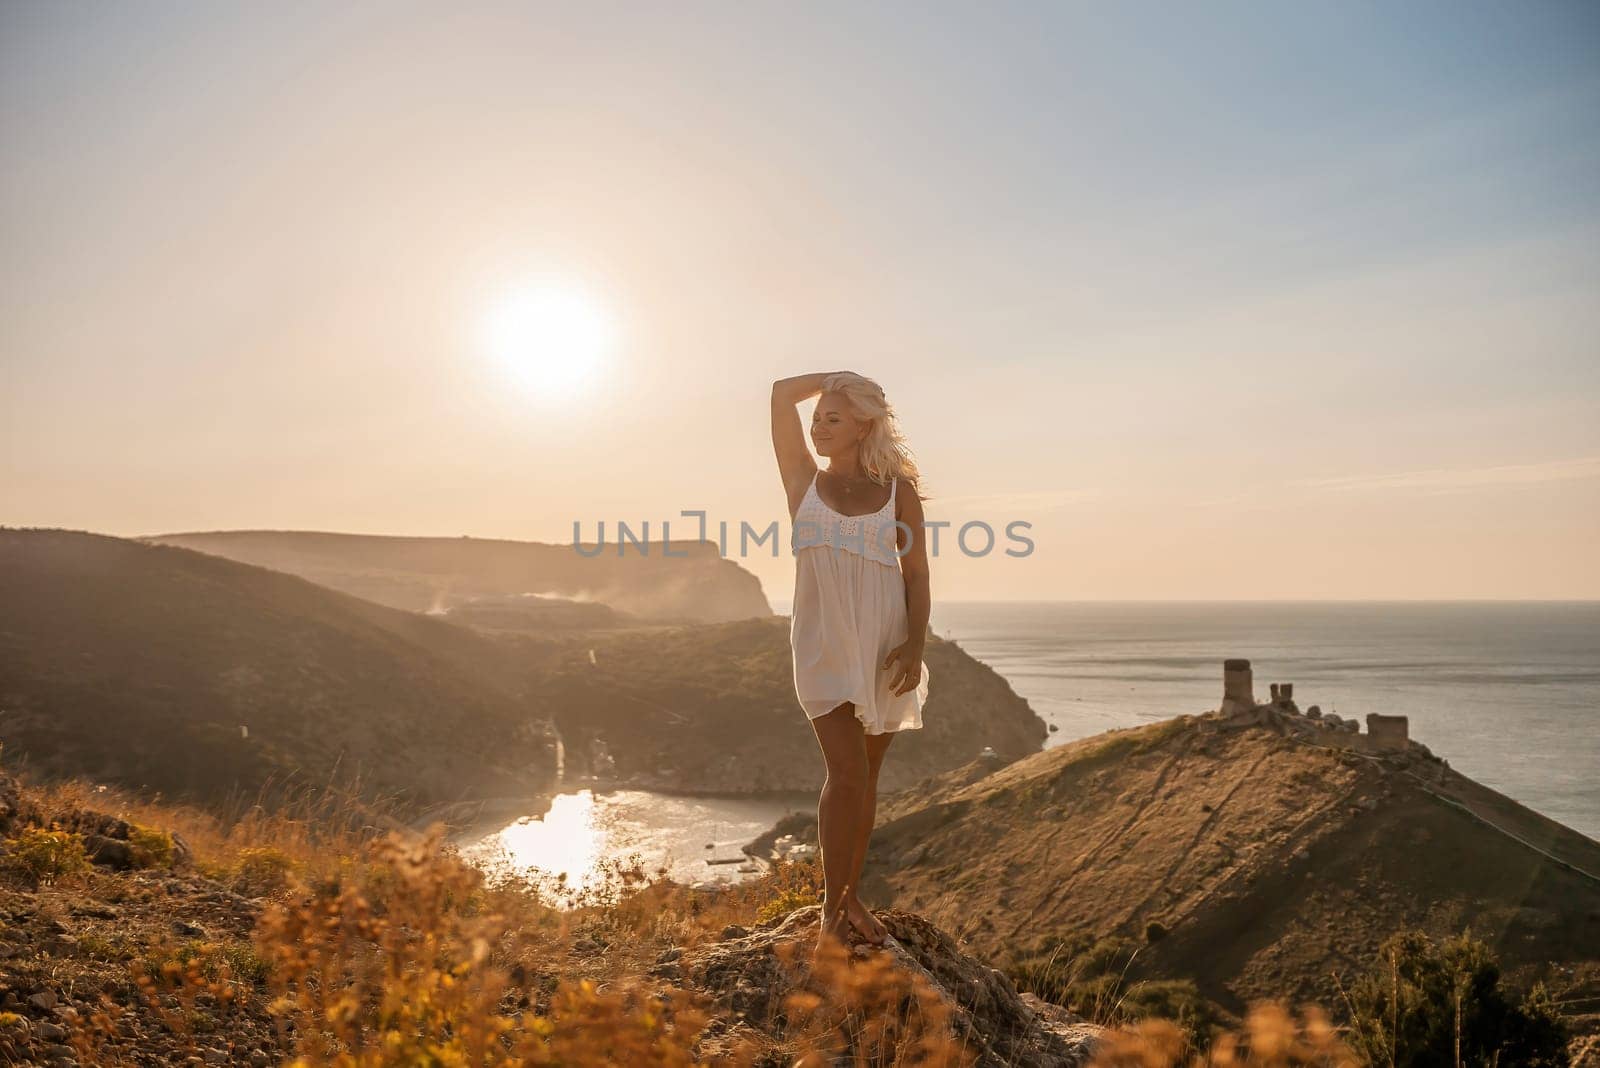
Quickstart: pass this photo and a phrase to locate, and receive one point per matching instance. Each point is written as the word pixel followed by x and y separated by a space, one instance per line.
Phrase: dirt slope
pixel 1269 861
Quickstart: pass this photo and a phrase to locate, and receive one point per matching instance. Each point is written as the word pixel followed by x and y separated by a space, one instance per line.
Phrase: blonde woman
pixel 860 615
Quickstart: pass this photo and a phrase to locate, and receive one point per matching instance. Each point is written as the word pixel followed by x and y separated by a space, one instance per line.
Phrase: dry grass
pixel 410 961
pixel 1271 1038
pixel 868 1012
pixel 416 960
pixel 309 827
pixel 381 947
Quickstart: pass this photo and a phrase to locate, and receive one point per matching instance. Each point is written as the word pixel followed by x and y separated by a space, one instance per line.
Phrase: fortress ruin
pixel 1239 708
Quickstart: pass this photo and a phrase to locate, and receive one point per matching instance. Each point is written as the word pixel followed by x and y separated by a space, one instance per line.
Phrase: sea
pixel 1507 691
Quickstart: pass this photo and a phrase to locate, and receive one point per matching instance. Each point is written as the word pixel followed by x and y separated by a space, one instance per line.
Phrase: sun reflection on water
pixel 588 836
pixel 568 839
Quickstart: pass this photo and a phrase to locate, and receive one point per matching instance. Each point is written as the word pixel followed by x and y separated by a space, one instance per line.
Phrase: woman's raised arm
pixel 795 464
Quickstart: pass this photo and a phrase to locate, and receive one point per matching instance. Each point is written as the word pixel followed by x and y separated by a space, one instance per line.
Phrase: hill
pixel 1252 858
pixel 162 667
pixel 695 584
pixel 155 666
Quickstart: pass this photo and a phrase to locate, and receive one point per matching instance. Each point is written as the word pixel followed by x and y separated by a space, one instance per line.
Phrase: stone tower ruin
pixel 1238 693
pixel 1387 732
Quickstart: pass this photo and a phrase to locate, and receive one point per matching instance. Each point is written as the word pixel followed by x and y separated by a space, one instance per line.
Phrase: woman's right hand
pixel 905 661
pixel 800 387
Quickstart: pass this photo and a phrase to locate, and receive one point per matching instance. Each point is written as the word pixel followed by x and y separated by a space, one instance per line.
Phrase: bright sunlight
pixel 553 338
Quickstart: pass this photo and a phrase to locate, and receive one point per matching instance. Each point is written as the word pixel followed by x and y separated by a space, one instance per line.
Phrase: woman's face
pixel 834 428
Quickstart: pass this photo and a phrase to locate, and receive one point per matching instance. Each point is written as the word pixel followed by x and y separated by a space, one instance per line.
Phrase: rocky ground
pixel 754 974
pixel 71 954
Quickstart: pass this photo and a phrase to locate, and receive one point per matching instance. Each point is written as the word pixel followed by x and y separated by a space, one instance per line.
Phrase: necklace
pixel 851 487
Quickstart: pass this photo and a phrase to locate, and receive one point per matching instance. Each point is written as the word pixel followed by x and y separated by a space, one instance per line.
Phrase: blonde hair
pixel 884 453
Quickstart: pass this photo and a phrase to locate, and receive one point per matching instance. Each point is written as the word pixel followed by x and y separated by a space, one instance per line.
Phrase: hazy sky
pixel 1256 301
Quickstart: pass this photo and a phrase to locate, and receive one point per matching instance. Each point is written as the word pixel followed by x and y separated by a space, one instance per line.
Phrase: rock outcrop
pixel 753 975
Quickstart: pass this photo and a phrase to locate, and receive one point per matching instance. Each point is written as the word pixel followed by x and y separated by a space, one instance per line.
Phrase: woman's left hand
pixel 905 660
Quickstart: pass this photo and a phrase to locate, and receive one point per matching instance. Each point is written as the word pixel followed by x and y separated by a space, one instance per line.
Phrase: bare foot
pixel 835 928
pixel 864 921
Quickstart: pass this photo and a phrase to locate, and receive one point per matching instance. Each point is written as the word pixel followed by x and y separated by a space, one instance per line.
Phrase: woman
pixel 860 615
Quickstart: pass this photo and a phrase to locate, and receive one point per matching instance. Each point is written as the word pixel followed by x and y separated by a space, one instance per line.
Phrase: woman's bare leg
pixel 877 745
pixel 839 809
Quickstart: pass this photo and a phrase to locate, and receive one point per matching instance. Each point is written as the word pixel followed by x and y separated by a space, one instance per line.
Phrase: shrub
pixel 114 948
pixel 151 847
pixel 44 854
pixel 1090 977
pixel 262 870
pixel 787 900
pixel 1441 1003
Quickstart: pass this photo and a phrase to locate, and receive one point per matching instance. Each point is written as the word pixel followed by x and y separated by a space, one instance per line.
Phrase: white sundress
pixel 849 612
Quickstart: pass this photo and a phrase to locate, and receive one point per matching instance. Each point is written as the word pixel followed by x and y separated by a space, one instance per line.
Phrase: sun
pixel 552 337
